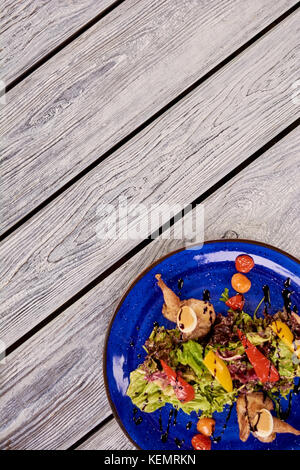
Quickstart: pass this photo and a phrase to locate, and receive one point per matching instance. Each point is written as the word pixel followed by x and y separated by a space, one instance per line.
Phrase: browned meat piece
pixel 249 406
pixel 205 318
pixel 172 302
pixel 243 419
pixel 282 427
pixel 257 401
pixel 204 311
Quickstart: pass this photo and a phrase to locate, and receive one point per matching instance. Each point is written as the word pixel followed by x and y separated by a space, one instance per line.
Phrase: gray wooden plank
pixel 110 437
pixel 109 81
pixel 52 386
pixel 31 30
pixel 196 143
pixel 73 369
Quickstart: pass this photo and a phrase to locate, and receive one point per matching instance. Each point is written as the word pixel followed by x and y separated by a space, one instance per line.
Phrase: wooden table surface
pixel 158 101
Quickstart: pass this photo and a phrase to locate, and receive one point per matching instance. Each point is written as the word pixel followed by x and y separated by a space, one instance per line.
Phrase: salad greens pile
pixel 149 388
pixel 151 395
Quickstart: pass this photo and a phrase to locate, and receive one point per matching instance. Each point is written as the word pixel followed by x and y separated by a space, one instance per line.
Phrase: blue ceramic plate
pixel 208 267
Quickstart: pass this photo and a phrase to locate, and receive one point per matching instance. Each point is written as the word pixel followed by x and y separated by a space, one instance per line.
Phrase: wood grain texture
pixel 110 437
pixel 75 370
pixel 110 80
pixel 55 254
pixel 52 386
pixel 30 30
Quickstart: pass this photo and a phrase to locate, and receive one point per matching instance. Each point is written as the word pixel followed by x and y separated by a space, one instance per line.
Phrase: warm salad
pixel 209 360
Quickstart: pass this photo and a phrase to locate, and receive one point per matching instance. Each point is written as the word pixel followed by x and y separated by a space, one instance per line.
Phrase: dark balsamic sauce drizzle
pixel 136 420
pixel 164 436
pixel 179 442
pixel 180 285
pixel 206 295
pixel 175 416
pixel 296 388
pixel 218 438
pixel 286 295
pixel 160 420
pixel 267 297
pixel 284 414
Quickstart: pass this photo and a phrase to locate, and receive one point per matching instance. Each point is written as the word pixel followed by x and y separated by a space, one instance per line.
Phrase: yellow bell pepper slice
pixel 219 370
pixel 285 334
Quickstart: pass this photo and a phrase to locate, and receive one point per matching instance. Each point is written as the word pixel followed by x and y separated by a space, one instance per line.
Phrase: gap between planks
pixel 43 54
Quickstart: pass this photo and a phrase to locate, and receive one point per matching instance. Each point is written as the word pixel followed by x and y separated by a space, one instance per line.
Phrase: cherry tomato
pixel 244 263
pixel 200 442
pixel 236 302
pixel 240 283
pixel 206 426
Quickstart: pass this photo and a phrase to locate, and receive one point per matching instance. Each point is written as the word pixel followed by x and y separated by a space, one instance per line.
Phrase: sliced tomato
pixel 183 390
pixel 264 369
pixel 236 302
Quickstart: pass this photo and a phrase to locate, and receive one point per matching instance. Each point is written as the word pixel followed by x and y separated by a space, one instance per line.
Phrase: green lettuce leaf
pixel 191 354
pixel 282 357
pixel 145 395
pixel 257 339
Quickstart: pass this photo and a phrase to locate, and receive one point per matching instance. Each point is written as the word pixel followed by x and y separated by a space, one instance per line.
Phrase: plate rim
pixel 135 281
